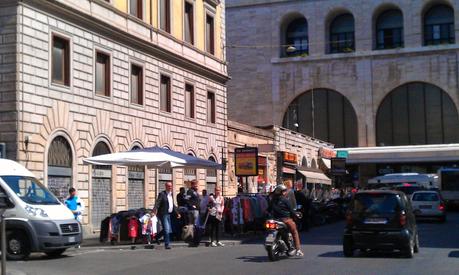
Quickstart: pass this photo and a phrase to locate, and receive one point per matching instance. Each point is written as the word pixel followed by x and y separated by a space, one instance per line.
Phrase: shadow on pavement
pixel 454 254
pixel 370 254
pixel 254 259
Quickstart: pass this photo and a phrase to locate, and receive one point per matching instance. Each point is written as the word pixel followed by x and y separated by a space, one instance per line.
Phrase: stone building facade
pixel 359 74
pixel 50 127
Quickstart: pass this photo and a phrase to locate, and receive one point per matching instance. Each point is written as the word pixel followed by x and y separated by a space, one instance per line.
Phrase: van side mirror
pixel 5 202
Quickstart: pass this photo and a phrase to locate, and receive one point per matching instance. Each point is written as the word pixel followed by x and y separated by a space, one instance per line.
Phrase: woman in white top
pixel 217 205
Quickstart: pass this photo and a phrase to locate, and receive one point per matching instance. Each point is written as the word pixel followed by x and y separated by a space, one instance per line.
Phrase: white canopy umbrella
pixel 153 157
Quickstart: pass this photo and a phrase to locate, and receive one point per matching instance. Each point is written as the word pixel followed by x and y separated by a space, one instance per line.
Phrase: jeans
pixel 166 221
pixel 194 216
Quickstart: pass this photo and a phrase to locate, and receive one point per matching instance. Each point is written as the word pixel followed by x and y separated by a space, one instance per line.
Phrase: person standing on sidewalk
pixel 75 204
pixel 193 202
pixel 164 208
pixel 217 205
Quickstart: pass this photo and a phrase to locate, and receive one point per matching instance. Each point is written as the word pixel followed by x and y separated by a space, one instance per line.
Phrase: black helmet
pixel 279 189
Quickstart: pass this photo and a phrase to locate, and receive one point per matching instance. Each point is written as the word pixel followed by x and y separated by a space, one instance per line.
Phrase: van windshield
pixel 30 190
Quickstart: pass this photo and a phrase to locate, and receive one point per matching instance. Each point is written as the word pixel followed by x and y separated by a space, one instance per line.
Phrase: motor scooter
pixel 279 240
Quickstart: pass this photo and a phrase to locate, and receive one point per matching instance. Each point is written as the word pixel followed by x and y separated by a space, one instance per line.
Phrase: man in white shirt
pixel 164 208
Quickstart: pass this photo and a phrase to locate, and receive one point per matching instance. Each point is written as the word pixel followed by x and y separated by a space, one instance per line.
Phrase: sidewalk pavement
pixel 94 243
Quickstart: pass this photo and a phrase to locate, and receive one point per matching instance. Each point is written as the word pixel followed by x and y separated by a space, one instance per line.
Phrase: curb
pixel 179 244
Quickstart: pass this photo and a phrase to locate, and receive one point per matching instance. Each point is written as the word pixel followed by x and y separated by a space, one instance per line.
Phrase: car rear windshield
pixel 425 197
pixel 376 203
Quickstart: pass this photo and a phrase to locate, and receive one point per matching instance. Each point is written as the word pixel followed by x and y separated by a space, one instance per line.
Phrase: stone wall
pixel 8 61
pixel 269 83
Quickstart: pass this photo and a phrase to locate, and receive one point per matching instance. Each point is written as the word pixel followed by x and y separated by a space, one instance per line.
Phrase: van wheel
pixel 55 253
pixel 17 246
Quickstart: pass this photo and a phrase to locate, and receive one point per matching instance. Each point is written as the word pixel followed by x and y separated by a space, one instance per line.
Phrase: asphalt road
pixel 439 254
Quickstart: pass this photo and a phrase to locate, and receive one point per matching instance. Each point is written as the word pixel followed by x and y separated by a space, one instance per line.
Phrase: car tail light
pixel 402 218
pixel 441 207
pixel 270 225
pixel 349 218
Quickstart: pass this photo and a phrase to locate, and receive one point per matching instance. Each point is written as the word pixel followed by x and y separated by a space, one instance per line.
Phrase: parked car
pixel 380 220
pixel 428 204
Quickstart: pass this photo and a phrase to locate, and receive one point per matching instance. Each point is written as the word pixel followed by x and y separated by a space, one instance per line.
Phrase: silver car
pixel 428 204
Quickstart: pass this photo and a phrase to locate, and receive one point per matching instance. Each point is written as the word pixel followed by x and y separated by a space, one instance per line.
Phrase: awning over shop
pixel 287 170
pixel 315 177
pixel 403 154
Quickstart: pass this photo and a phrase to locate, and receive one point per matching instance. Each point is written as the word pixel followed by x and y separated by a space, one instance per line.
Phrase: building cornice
pixel 115 34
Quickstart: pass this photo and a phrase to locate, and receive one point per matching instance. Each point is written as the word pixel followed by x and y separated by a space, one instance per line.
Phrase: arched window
pixel 304 162
pixel 323 114
pixel 389 30
pixel 297 36
pixel 101 187
pixel 136 185
pixel 439 25
pixel 417 113
pixel 60 167
pixel 342 34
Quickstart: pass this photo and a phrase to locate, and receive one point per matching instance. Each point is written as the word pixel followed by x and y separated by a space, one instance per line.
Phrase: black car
pixel 380 220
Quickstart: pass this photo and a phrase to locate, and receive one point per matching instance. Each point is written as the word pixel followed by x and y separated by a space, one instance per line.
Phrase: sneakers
pixel 299 253
pixel 220 244
pixel 213 244
pixel 291 252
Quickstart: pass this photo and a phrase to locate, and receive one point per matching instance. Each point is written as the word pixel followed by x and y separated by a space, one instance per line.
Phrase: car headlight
pixel 36 211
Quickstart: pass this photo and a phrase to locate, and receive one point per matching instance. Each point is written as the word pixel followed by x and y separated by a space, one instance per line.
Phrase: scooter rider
pixel 281 209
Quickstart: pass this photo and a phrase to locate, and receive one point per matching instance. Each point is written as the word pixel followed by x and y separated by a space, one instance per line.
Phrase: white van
pixel 37 221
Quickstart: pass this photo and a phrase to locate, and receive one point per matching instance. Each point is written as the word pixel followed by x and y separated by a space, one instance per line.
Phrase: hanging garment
pixel 133 227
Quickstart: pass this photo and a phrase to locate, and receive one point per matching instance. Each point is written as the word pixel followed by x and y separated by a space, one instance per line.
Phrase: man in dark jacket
pixel 281 209
pixel 164 208
pixel 193 202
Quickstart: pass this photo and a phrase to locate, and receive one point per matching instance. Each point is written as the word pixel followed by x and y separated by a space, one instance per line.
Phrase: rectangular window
pixel 165 94
pixel 189 101
pixel 210 107
pixel 136 8
pixel 189 23
pixel 164 16
pixel 60 61
pixel 102 74
pixel 210 35
pixel 136 84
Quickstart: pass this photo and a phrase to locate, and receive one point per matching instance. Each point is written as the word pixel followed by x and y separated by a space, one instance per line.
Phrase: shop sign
pixel 327 153
pixel 342 154
pixel 338 166
pixel 290 158
pixel 246 161
pixel 2 150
